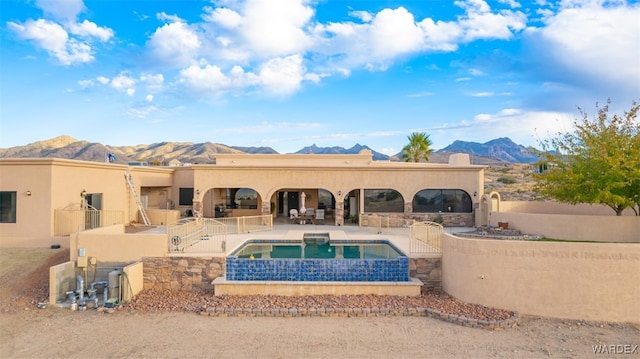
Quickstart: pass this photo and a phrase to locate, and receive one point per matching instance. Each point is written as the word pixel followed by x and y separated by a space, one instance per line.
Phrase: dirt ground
pixel 29 332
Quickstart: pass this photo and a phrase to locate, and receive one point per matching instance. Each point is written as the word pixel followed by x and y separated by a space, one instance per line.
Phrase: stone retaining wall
pixel 428 270
pixel 188 273
pixel 182 273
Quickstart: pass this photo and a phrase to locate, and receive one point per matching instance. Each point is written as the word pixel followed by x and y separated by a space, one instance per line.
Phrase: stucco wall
pixel 587 281
pixel 112 244
pixel 548 207
pixel 573 227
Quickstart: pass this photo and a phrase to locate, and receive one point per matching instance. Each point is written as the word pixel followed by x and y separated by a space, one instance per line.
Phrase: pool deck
pixel 399 237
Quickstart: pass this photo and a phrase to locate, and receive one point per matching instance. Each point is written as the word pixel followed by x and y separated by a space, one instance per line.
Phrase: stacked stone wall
pixel 182 273
pixel 428 270
pixel 189 273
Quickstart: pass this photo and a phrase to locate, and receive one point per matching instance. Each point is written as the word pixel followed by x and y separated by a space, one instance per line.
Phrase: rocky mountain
pixel 500 148
pixel 377 156
pixel 162 152
pixel 495 152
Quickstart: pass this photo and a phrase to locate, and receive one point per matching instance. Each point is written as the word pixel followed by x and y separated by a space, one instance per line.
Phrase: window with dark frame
pixel 186 197
pixel 442 200
pixel 8 206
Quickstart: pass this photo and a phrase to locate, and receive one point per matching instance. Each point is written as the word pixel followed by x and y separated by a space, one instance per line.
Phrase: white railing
pixel 205 235
pixel 67 221
pixel 248 224
pixel 381 223
pixel 426 238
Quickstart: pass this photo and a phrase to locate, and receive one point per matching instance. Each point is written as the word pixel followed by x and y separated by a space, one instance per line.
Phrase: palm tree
pixel 418 148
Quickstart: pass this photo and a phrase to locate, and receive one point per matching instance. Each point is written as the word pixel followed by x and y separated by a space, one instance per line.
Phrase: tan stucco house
pixel 34 193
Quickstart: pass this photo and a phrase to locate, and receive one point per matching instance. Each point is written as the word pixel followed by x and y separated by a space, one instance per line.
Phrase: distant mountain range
pixel 501 150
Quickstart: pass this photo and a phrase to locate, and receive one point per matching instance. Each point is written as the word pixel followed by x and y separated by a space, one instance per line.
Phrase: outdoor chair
pixel 293 215
pixel 320 215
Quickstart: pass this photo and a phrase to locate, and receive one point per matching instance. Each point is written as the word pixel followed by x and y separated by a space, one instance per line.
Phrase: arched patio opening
pixel 286 199
pixel 231 202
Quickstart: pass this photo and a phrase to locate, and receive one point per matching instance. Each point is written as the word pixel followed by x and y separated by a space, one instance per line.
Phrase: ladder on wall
pixel 132 186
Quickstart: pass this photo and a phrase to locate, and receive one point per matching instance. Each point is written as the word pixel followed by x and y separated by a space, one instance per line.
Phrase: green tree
pixel 597 163
pixel 418 148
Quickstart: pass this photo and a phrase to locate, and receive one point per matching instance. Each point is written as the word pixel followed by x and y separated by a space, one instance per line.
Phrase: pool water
pixel 318 250
pixel 318 259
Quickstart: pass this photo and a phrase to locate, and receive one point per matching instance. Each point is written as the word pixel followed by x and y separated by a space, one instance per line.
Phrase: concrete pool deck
pixel 399 237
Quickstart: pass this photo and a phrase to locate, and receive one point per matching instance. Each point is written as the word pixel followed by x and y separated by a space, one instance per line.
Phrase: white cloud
pixel 90 29
pixel 528 128
pixel 103 80
pixel 169 18
pixel 54 39
pixel 282 76
pixel 124 82
pixel 66 10
pixel 154 82
pixel 149 98
pixel 226 18
pixel 175 44
pixel 481 23
pixel 364 16
pixel 276 28
pixel 594 40
pixel 482 94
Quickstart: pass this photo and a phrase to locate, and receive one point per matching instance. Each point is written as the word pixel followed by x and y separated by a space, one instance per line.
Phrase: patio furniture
pixel 320 215
pixel 293 215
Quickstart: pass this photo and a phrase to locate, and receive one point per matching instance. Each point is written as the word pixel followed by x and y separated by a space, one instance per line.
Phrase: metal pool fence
pixel 426 238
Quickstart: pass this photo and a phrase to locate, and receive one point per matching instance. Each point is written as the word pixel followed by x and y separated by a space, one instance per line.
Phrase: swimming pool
pixel 316 258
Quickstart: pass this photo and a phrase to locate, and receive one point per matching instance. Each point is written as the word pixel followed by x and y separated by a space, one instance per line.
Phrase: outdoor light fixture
pixel 28 193
pixel 83 194
pixel 339 193
pixel 197 192
pixel 475 193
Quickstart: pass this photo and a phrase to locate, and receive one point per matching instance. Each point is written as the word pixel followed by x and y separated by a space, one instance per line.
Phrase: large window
pixel 186 197
pixel 246 198
pixel 8 207
pixel 442 200
pixel 383 200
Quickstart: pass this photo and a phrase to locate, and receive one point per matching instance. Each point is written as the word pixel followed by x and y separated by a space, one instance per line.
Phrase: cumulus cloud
pixel 175 44
pixel 124 82
pixel 54 39
pixel 613 32
pixel 275 28
pixel 62 37
pixel 90 29
pixel 64 10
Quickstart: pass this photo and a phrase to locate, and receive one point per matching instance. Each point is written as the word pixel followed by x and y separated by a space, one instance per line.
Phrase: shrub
pixel 507 179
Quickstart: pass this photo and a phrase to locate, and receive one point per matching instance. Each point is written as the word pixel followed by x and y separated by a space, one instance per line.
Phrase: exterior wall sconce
pixel 28 193
pixel 475 193
pixel 197 192
pixel 83 194
pixel 339 193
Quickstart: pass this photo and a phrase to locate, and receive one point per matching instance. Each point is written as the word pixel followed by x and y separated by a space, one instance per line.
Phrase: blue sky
pixel 291 73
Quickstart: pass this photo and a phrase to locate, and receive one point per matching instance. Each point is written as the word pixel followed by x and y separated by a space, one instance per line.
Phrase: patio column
pixel 339 212
pixel 266 208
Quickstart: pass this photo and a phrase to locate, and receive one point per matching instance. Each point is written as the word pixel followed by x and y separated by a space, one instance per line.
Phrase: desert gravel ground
pixel 157 327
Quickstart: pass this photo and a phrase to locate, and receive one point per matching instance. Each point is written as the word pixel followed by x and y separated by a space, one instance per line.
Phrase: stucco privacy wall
pixel 588 281
pixel 112 244
pixel 547 207
pixel 624 229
